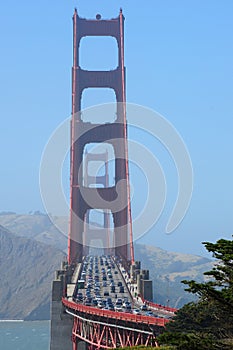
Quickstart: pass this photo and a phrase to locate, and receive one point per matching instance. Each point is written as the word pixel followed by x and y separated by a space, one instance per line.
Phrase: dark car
pixel 149 313
pixel 94 302
pixel 110 307
pixel 128 308
pixel 88 302
pixel 143 307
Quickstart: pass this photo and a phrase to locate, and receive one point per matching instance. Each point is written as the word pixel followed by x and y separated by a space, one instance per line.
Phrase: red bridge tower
pixel 85 198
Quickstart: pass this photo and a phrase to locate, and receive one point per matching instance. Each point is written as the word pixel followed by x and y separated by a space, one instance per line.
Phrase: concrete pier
pixel 61 323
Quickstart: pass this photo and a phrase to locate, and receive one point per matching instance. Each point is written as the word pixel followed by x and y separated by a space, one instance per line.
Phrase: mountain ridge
pixel 37 245
pixel 26 270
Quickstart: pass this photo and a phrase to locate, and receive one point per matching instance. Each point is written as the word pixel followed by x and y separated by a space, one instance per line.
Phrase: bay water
pixel 24 335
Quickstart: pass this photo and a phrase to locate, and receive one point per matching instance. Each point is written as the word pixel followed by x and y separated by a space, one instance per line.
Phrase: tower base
pixel 61 323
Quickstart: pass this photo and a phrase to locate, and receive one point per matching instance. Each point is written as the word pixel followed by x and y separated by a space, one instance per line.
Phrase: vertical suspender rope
pixel 125 138
pixel 72 132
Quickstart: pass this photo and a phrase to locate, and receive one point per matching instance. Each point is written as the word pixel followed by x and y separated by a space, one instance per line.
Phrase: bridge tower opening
pixel 97 237
pixel 83 198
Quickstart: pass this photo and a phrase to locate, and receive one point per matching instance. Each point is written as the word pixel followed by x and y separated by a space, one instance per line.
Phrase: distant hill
pixel 26 272
pixel 32 246
pixel 39 227
pixel 167 269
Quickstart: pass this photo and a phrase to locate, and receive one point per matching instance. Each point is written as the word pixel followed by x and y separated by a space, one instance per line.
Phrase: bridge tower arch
pixel 114 133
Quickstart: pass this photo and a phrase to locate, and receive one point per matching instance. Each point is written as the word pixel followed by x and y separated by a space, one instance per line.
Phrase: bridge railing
pixel 114 314
pixel 159 306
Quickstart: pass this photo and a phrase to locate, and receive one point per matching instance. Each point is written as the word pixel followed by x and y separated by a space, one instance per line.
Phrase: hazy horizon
pixel 178 59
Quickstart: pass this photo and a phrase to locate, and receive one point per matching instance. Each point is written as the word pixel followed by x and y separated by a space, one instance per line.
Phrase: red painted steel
pixel 73 337
pixel 72 242
pixel 116 329
pixel 82 133
pixel 108 336
pixel 126 138
pixel 159 306
pixel 115 315
pixel 72 132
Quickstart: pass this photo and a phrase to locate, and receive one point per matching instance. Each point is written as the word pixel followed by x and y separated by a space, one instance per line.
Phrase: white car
pixel 144 307
pixel 136 312
pixel 100 305
pixel 118 308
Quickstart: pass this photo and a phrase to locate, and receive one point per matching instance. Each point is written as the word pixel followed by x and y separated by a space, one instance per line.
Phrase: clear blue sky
pixel 179 59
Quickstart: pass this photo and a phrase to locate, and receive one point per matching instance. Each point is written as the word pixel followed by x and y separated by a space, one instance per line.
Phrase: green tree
pixel 220 288
pixel 208 323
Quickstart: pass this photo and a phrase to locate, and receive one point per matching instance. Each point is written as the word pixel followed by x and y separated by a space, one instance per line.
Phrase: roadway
pixel 103 284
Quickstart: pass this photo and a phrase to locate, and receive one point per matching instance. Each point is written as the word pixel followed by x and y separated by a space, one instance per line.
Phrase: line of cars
pixel 103 286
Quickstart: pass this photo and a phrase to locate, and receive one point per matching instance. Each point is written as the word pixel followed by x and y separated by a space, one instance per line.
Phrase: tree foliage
pixel 208 323
pixel 220 287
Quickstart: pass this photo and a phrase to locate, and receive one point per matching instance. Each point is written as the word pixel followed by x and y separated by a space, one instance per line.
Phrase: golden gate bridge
pixel 102 301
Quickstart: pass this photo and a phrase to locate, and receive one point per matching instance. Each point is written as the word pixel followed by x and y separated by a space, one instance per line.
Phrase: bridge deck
pixel 102 289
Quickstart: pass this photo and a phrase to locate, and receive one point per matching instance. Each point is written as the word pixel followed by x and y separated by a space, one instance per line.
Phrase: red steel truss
pixel 101 335
pixel 103 329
